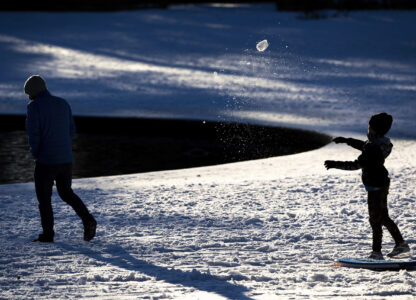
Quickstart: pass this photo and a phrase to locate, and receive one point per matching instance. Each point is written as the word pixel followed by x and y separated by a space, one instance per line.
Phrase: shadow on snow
pixel 120 258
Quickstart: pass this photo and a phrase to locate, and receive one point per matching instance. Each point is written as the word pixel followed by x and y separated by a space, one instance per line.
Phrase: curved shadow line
pixel 195 279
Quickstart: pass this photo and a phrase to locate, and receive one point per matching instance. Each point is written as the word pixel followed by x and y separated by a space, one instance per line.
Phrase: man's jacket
pixel 50 128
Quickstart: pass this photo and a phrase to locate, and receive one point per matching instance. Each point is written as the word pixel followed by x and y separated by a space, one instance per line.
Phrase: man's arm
pixel 72 127
pixel 33 129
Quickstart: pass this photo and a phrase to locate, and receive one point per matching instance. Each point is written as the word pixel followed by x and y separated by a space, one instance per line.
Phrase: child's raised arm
pixel 357 144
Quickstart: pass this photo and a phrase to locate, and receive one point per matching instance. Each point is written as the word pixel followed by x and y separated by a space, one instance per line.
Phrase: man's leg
pixel 44 177
pixel 63 185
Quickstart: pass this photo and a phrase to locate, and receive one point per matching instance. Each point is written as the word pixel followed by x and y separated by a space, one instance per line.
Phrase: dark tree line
pixel 81 5
pixel 311 5
pixel 282 5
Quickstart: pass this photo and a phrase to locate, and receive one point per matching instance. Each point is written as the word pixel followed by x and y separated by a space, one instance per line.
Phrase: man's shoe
pixel 44 238
pixel 376 255
pixel 403 247
pixel 90 228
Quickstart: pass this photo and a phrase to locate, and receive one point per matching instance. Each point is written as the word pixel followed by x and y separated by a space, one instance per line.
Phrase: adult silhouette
pixel 50 128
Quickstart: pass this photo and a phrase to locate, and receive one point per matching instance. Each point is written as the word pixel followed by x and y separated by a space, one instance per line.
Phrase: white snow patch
pixel 263 229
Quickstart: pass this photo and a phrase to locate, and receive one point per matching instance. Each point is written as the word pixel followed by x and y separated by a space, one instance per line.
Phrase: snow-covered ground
pixel 262 229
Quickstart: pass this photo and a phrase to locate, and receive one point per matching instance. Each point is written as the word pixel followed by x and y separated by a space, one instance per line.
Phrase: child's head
pixel 380 123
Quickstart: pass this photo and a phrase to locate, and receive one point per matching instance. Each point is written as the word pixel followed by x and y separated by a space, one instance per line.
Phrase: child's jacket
pixel 374 151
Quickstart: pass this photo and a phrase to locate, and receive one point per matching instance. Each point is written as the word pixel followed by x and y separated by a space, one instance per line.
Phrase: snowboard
pixel 374 264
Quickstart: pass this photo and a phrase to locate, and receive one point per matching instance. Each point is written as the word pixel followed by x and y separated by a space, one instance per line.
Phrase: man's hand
pixel 339 140
pixel 330 164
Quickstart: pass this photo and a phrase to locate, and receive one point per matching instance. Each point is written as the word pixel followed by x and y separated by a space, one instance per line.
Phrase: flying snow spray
pixel 263 45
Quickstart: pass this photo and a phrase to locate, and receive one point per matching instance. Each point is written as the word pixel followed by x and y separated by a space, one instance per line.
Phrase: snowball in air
pixel 261 46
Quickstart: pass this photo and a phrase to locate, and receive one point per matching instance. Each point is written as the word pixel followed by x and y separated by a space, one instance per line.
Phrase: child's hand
pixel 330 164
pixel 339 140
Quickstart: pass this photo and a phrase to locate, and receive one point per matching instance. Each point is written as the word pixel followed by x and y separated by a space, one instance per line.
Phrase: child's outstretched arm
pixel 357 144
pixel 342 165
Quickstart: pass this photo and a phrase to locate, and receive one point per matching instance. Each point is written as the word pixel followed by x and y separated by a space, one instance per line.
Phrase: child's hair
pixel 381 123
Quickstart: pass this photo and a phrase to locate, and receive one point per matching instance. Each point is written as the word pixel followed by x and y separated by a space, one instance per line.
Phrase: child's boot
pixel 376 255
pixel 403 247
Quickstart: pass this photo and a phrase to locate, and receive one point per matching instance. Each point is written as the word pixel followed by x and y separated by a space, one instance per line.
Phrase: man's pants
pixel 379 216
pixel 45 175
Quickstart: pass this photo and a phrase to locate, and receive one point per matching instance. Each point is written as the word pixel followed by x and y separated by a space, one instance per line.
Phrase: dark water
pixel 113 146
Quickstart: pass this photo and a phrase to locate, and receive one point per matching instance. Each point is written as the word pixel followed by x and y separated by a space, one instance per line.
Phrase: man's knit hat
pixel 381 123
pixel 34 85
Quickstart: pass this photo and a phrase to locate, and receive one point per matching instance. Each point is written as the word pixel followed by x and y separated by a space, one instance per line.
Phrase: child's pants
pixel 379 216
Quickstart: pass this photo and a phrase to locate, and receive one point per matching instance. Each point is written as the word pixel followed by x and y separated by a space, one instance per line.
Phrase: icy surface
pixel 264 229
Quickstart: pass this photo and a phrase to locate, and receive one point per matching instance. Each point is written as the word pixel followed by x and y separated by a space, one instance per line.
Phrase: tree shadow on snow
pixel 117 256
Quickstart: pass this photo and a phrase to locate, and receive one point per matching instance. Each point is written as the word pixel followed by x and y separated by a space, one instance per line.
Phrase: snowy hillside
pixel 264 229
pixel 202 62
